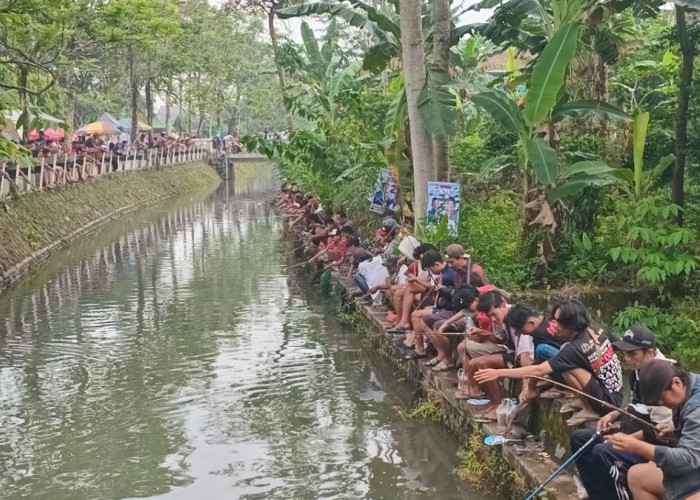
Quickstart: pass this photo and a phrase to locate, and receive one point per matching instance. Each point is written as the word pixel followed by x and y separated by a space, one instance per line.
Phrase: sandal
pixel 444 367
pixel 432 362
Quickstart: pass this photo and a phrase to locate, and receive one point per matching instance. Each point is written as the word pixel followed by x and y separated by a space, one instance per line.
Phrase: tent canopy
pixel 125 125
pixel 106 117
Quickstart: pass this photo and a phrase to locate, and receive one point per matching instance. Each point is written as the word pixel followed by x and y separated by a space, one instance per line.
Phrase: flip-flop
pixel 497 440
pixel 443 367
pixel 478 401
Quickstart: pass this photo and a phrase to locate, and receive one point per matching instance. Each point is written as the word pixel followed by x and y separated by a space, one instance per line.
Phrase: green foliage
pixel 677 329
pixel 484 467
pixel 426 409
pixel 548 73
pixel 655 249
pixel 468 153
pixel 491 229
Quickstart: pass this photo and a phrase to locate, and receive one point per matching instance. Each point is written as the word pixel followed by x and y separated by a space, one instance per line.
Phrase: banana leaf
pixel 503 109
pixel 549 72
pixel 543 160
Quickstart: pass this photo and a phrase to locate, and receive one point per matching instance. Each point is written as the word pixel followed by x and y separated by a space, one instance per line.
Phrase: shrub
pixel 491 230
pixel 676 330
pixel 468 153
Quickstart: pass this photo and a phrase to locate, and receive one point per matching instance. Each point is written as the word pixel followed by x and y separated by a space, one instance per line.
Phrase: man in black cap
pixel 672 473
pixel 602 469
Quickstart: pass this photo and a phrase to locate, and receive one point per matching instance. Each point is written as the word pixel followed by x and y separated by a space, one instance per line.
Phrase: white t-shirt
pixel 374 272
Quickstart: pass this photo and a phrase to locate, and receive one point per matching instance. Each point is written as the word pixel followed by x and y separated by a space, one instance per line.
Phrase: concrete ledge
pixel 534 460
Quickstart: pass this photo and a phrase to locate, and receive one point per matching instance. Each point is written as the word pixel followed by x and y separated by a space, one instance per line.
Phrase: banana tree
pixel 536 158
pixel 638 182
pixel 437 104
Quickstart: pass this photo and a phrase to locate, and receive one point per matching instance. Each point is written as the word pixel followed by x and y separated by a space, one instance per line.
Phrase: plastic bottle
pixel 502 412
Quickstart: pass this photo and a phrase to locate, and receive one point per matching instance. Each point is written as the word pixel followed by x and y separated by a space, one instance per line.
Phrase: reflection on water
pixel 171 355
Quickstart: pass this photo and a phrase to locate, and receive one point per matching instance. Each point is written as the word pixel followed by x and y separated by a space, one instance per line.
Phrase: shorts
pixel 476 349
pixel 438 315
pixel 597 390
pixel 509 359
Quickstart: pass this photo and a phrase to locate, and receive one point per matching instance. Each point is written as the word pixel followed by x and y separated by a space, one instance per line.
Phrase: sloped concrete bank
pixel 520 466
pixel 35 225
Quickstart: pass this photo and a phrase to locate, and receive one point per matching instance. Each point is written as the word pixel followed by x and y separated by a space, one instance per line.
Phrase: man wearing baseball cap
pixel 601 468
pixel 673 472
pixel 463 265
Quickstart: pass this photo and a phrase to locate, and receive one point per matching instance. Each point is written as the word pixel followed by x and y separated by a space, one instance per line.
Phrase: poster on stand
pixel 385 191
pixel 443 200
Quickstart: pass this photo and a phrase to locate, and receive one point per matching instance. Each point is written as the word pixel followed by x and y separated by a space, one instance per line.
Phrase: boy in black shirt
pixel 586 363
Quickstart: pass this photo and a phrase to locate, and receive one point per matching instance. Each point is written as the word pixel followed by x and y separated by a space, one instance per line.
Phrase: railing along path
pixel 58 170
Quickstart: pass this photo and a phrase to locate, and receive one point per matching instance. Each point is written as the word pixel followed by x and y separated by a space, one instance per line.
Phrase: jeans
pixel 545 352
pixel 361 282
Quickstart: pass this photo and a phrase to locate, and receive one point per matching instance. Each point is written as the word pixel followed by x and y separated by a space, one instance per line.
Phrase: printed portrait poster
pixel 443 200
pixel 385 193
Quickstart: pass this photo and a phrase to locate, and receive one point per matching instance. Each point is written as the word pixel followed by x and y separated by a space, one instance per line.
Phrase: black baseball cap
pixel 655 377
pixel 637 337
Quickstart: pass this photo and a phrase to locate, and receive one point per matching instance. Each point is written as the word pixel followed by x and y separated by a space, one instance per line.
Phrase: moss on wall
pixel 37 221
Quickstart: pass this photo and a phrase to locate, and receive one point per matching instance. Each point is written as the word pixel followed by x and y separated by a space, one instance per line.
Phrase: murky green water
pixel 172 355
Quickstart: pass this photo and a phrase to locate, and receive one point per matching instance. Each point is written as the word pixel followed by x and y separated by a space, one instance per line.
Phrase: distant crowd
pixel 444 310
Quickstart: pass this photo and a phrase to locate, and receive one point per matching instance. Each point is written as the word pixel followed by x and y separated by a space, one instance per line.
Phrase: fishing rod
pixel 607 405
pixel 563 466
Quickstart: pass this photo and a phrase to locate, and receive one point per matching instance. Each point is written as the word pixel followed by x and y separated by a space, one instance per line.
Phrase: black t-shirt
pixel 541 335
pixel 582 353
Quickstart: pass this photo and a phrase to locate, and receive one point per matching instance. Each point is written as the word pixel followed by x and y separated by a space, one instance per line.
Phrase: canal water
pixel 172 355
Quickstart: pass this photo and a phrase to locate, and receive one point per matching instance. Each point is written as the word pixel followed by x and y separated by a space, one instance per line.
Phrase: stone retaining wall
pixel 33 226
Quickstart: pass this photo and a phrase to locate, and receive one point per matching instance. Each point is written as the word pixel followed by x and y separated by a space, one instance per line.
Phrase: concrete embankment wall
pixel 35 225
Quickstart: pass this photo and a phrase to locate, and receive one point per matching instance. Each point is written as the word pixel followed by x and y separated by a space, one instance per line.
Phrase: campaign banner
pixel 385 191
pixel 443 200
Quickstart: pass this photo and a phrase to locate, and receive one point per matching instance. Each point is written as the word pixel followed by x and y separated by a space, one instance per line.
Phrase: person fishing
pixel 603 470
pixel 673 472
pixel 586 363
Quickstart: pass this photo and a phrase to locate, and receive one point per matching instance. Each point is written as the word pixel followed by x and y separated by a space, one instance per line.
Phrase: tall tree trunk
pixel 413 54
pixel 168 104
pixel 686 80
pixel 442 31
pixel 149 108
pixel 280 70
pixel 22 82
pixel 134 95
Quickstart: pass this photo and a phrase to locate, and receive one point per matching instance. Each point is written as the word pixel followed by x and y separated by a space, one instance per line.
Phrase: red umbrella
pixel 52 134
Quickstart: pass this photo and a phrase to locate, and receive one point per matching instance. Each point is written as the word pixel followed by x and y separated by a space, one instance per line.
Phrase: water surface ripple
pixel 172 355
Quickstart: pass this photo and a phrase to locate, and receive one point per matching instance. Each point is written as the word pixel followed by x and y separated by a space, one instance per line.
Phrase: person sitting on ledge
pixel 441 276
pixel 601 468
pixel 417 283
pixel 462 264
pixel 673 472
pixel 586 363
pixel 519 351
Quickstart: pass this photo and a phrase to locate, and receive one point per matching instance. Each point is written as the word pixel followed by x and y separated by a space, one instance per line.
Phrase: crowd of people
pixel 88 152
pixel 443 310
